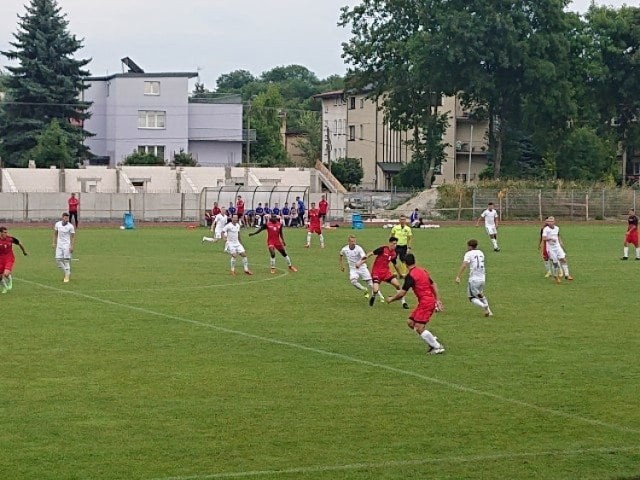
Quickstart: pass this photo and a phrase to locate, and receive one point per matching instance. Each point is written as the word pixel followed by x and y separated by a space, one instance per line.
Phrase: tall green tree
pixel 266 119
pixel 52 148
pixel 311 144
pixel 348 171
pixel 45 85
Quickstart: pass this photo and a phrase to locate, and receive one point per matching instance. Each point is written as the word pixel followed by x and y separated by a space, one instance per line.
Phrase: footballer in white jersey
pixel 64 235
pixel 231 233
pixel 474 260
pixel 218 223
pixel 555 250
pixel 490 217
pixel 355 254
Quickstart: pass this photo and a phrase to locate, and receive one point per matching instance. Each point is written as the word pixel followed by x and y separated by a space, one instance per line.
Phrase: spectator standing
pixel 74 204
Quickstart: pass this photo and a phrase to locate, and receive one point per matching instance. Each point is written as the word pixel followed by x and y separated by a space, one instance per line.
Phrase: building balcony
pixel 216 134
pixel 475 148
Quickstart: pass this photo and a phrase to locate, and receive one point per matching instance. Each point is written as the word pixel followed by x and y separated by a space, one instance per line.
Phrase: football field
pixel 154 363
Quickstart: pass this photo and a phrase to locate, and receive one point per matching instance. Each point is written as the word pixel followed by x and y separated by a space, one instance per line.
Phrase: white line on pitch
pixel 404 463
pixel 408 373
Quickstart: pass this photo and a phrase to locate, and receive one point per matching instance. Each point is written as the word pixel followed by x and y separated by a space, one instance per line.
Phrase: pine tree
pixel 45 85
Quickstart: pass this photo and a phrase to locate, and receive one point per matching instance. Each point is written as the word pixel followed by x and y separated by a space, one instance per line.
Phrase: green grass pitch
pixel 155 363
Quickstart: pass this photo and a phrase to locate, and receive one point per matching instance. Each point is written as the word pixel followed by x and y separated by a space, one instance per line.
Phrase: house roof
pixel 335 93
pixel 143 75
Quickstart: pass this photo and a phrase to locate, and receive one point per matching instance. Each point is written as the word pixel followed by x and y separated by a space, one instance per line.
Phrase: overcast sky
pixel 212 36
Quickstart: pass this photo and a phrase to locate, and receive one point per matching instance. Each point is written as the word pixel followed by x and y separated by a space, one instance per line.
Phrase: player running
pixel 354 254
pixel 490 216
pixel 403 233
pixel 275 241
pixel 380 271
pixel 631 236
pixel 314 225
pixel 231 233
pixel 219 222
pixel 474 259
pixel 426 291
pixel 7 259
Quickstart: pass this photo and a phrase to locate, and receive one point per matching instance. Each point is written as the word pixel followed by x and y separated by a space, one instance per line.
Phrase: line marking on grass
pixel 404 463
pixel 347 358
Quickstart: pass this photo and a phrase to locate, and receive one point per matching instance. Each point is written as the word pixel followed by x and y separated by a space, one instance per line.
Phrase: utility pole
pixel 248 147
pixel 470 148
pixel 329 148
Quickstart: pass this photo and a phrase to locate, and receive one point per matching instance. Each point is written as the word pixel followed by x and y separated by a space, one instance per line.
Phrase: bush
pixel 184 159
pixel 138 158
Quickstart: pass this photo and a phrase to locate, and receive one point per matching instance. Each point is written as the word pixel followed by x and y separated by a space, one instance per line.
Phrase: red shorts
pixel 317 230
pixel 379 277
pixel 6 263
pixel 277 246
pixel 423 312
pixel 632 237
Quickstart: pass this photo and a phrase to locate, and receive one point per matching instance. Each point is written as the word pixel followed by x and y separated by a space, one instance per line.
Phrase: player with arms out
pixel 64 242
pixel 380 271
pixel 219 221
pixel 474 259
pixel 354 253
pixel 426 291
pixel 631 237
pixel 275 241
pixel 7 259
pixel 231 233
pixel 314 225
pixel 555 249
pixel 490 216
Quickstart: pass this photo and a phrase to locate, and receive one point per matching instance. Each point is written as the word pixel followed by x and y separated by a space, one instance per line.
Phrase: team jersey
pixel 475 260
pixel 314 218
pixel 353 256
pixel 259 211
pixel 323 206
pixel 231 211
pixel 267 210
pixel 232 232
pixel 73 204
pixel 240 207
pixel 274 231
pixel 64 233
pixel 215 211
pixel 402 234
pixel 300 207
pixel 384 255
pixel 632 223
pixel 6 246
pixel 220 221
pixel 490 217
pixel 552 234
pixel 422 285
pixel 286 211
pixel 275 211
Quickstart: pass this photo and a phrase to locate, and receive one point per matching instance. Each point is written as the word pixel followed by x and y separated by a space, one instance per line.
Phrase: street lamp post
pixel 470 148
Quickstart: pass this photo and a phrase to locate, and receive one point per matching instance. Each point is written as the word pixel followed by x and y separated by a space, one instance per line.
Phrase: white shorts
pixel 555 252
pixel 217 234
pixel 63 253
pixel 235 248
pixel 491 230
pixel 362 272
pixel 475 288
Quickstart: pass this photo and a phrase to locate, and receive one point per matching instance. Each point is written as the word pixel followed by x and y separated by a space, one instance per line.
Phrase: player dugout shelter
pixel 266 195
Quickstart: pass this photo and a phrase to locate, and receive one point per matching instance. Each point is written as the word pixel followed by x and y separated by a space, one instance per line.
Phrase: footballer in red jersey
pixel 7 259
pixel 380 270
pixel 426 291
pixel 631 237
pixel 323 206
pixel 314 225
pixel 275 241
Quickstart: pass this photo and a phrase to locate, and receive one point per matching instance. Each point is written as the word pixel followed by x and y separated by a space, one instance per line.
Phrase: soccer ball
pixel 121 227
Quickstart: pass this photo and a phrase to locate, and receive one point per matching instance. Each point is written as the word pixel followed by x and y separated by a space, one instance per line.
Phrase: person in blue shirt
pixel 276 209
pixel 300 203
pixel 414 219
pixel 259 214
pixel 231 210
pixel 286 215
pixel 267 213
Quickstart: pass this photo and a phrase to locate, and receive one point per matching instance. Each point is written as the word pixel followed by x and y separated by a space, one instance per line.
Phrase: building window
pixel 326 109
pixel 352 133
pixel 335 127
pixel 152 88
pixel 157 150
pixel 362 103
pixel 352 103
pixel 151 119
pixel 361 132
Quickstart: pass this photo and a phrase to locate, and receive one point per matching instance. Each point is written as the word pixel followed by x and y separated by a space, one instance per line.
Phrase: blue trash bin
pixel 128 221
pixel 356 221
